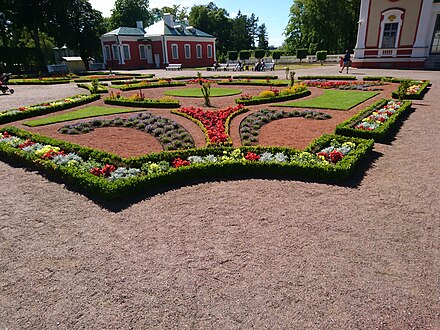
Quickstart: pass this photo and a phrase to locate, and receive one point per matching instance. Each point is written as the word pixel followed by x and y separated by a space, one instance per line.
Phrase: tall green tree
pixel 263 39
pixel 330 24
pixel 252 27
pixel 128 12
pixel 176 10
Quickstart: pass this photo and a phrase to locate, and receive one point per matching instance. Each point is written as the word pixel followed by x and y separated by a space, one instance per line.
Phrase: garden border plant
pixel 158 84
pixel 327 77
pixel 419 95
pixel 39 81
pixel 253 82
pixel 101 89
pixel 244 160
pixel 145 103
pixel 112 77
pixel 41 108
pixel 256 100
pixel 380 133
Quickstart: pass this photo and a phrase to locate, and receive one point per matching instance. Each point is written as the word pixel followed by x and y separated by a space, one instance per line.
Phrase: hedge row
pixel 254 83
pixel 380 133
pixel 112 78
pixel 120 189
pixel 7 118
pixel 418 96
pixel 39 82
pixel 101 89
pixel 148 103
pixel 243 76
pixel 327 77
pixel 151 85
pixel 384 79
pixel 260 100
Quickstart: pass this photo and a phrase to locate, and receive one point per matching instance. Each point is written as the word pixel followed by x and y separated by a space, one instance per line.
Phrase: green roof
pixel 126 31
pixel 184 30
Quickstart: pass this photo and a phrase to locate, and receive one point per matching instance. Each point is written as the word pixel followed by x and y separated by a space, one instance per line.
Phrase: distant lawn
pixel 88 112
pixel 333 99
pixel 196 92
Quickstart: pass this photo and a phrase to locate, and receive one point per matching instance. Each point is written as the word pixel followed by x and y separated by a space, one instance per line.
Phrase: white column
pixel 362 29
pixel 421 45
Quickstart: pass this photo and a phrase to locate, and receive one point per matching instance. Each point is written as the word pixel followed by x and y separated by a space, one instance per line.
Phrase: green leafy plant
pixel 321 56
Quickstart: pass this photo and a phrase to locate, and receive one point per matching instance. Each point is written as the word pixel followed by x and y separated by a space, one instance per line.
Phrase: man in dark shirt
pixel 347 61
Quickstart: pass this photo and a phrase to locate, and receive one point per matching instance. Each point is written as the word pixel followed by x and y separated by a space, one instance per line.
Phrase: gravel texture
pixel 262 254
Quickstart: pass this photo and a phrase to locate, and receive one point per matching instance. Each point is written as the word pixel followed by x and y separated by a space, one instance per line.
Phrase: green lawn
pixel 88 112
pixel 197 92
pixel 333 99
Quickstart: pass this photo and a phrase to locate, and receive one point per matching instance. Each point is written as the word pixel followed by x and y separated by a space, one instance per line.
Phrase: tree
pixel 252 27
pixel 263 40
pixel 128 12
pixel 330 24
pixel 176 10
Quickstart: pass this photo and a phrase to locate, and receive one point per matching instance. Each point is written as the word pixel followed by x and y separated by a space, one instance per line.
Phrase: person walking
pixel 347 61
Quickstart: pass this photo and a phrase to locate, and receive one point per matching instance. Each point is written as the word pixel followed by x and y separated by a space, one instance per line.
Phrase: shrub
pixel 276 54
pixel 259 53
pixel 321 56
pixel 266 94
pixel 244 54
pixel 232 55
pixel 301 54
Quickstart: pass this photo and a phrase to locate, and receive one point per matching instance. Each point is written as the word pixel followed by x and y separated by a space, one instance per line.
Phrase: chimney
pixel 140 25
pixel 168 19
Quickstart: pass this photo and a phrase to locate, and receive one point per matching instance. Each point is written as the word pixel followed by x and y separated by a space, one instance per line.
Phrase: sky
pixel 274 15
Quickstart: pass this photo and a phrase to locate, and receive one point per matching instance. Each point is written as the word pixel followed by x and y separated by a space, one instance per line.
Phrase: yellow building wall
pixel 409 28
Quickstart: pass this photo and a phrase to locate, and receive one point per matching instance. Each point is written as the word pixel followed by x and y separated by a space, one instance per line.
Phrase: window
pixel 142 52
pixel 435 48
pixel 209 49
pixel 199 51
pixel 187 51
pixel 115 49
pixel 126 50
pixel 390 35
pixel 108 55
pixel 175 52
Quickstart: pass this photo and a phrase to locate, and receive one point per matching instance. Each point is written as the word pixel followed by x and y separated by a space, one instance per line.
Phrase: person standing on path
pixel 347 61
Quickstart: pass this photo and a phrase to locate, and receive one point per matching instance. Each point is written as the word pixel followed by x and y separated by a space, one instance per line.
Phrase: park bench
pixel 269 66
pixel 174 67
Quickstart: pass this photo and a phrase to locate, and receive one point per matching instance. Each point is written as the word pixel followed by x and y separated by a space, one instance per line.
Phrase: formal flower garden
pixel 230 142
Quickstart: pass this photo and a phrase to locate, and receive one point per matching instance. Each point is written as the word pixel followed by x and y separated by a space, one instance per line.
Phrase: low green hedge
pixel 254 82
pixel 123 188
pixel 260 100
pixel 112 78
pixel 133 81
pixel 418 96
pixel 7 118
pixel 150 85
pixel 380 133
pixel 327 77
pixel 148 103
pixel 243 76
pixel 101 89
pixel 46 81
pixel 384 79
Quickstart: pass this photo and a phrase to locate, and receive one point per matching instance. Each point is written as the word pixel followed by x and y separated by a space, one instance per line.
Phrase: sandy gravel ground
pixel 255 254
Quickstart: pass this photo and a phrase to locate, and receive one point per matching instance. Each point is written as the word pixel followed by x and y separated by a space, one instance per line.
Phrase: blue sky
pixel 274 15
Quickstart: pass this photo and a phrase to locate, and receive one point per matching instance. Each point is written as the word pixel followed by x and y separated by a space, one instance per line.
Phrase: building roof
pixel 126 31
pixel 169 27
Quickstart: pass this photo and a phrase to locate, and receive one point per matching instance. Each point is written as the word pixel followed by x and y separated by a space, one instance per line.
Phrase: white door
pixel 149 55
pixel 157 60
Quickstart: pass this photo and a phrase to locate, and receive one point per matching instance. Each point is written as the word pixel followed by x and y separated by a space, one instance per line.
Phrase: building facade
pixel 165 42
pixel 398 34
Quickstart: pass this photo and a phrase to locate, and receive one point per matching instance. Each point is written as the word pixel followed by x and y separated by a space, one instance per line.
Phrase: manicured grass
pixel 197 92
pixel 88 112
pixel 333 99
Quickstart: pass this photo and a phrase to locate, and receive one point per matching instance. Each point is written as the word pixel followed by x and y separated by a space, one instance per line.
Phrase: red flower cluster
pixel 333 157
pixel 105 171
pixel 179 163
pixel 200 81
pixel 26 144
pixel 213 121
pixel 331 84
pixel 252 156
pixel 6 135
pixel 51 154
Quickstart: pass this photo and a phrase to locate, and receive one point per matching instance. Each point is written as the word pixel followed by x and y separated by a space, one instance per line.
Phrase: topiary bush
pixel 321 56
pixel 301 54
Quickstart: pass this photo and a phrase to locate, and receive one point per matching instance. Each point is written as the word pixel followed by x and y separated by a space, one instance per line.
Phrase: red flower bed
pixel 213 121
pixel 105 171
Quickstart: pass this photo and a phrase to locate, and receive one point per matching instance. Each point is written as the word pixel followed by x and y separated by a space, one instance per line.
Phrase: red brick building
pixel 166 42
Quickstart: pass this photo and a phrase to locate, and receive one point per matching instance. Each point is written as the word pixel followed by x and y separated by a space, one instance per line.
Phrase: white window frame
pixel 115 52
pixel 107 53
pixel 209 51
pixel 144 47
pixel 391 16
pixel 175 51
pixel 187 49
pixel 124 47
pixel 199 51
